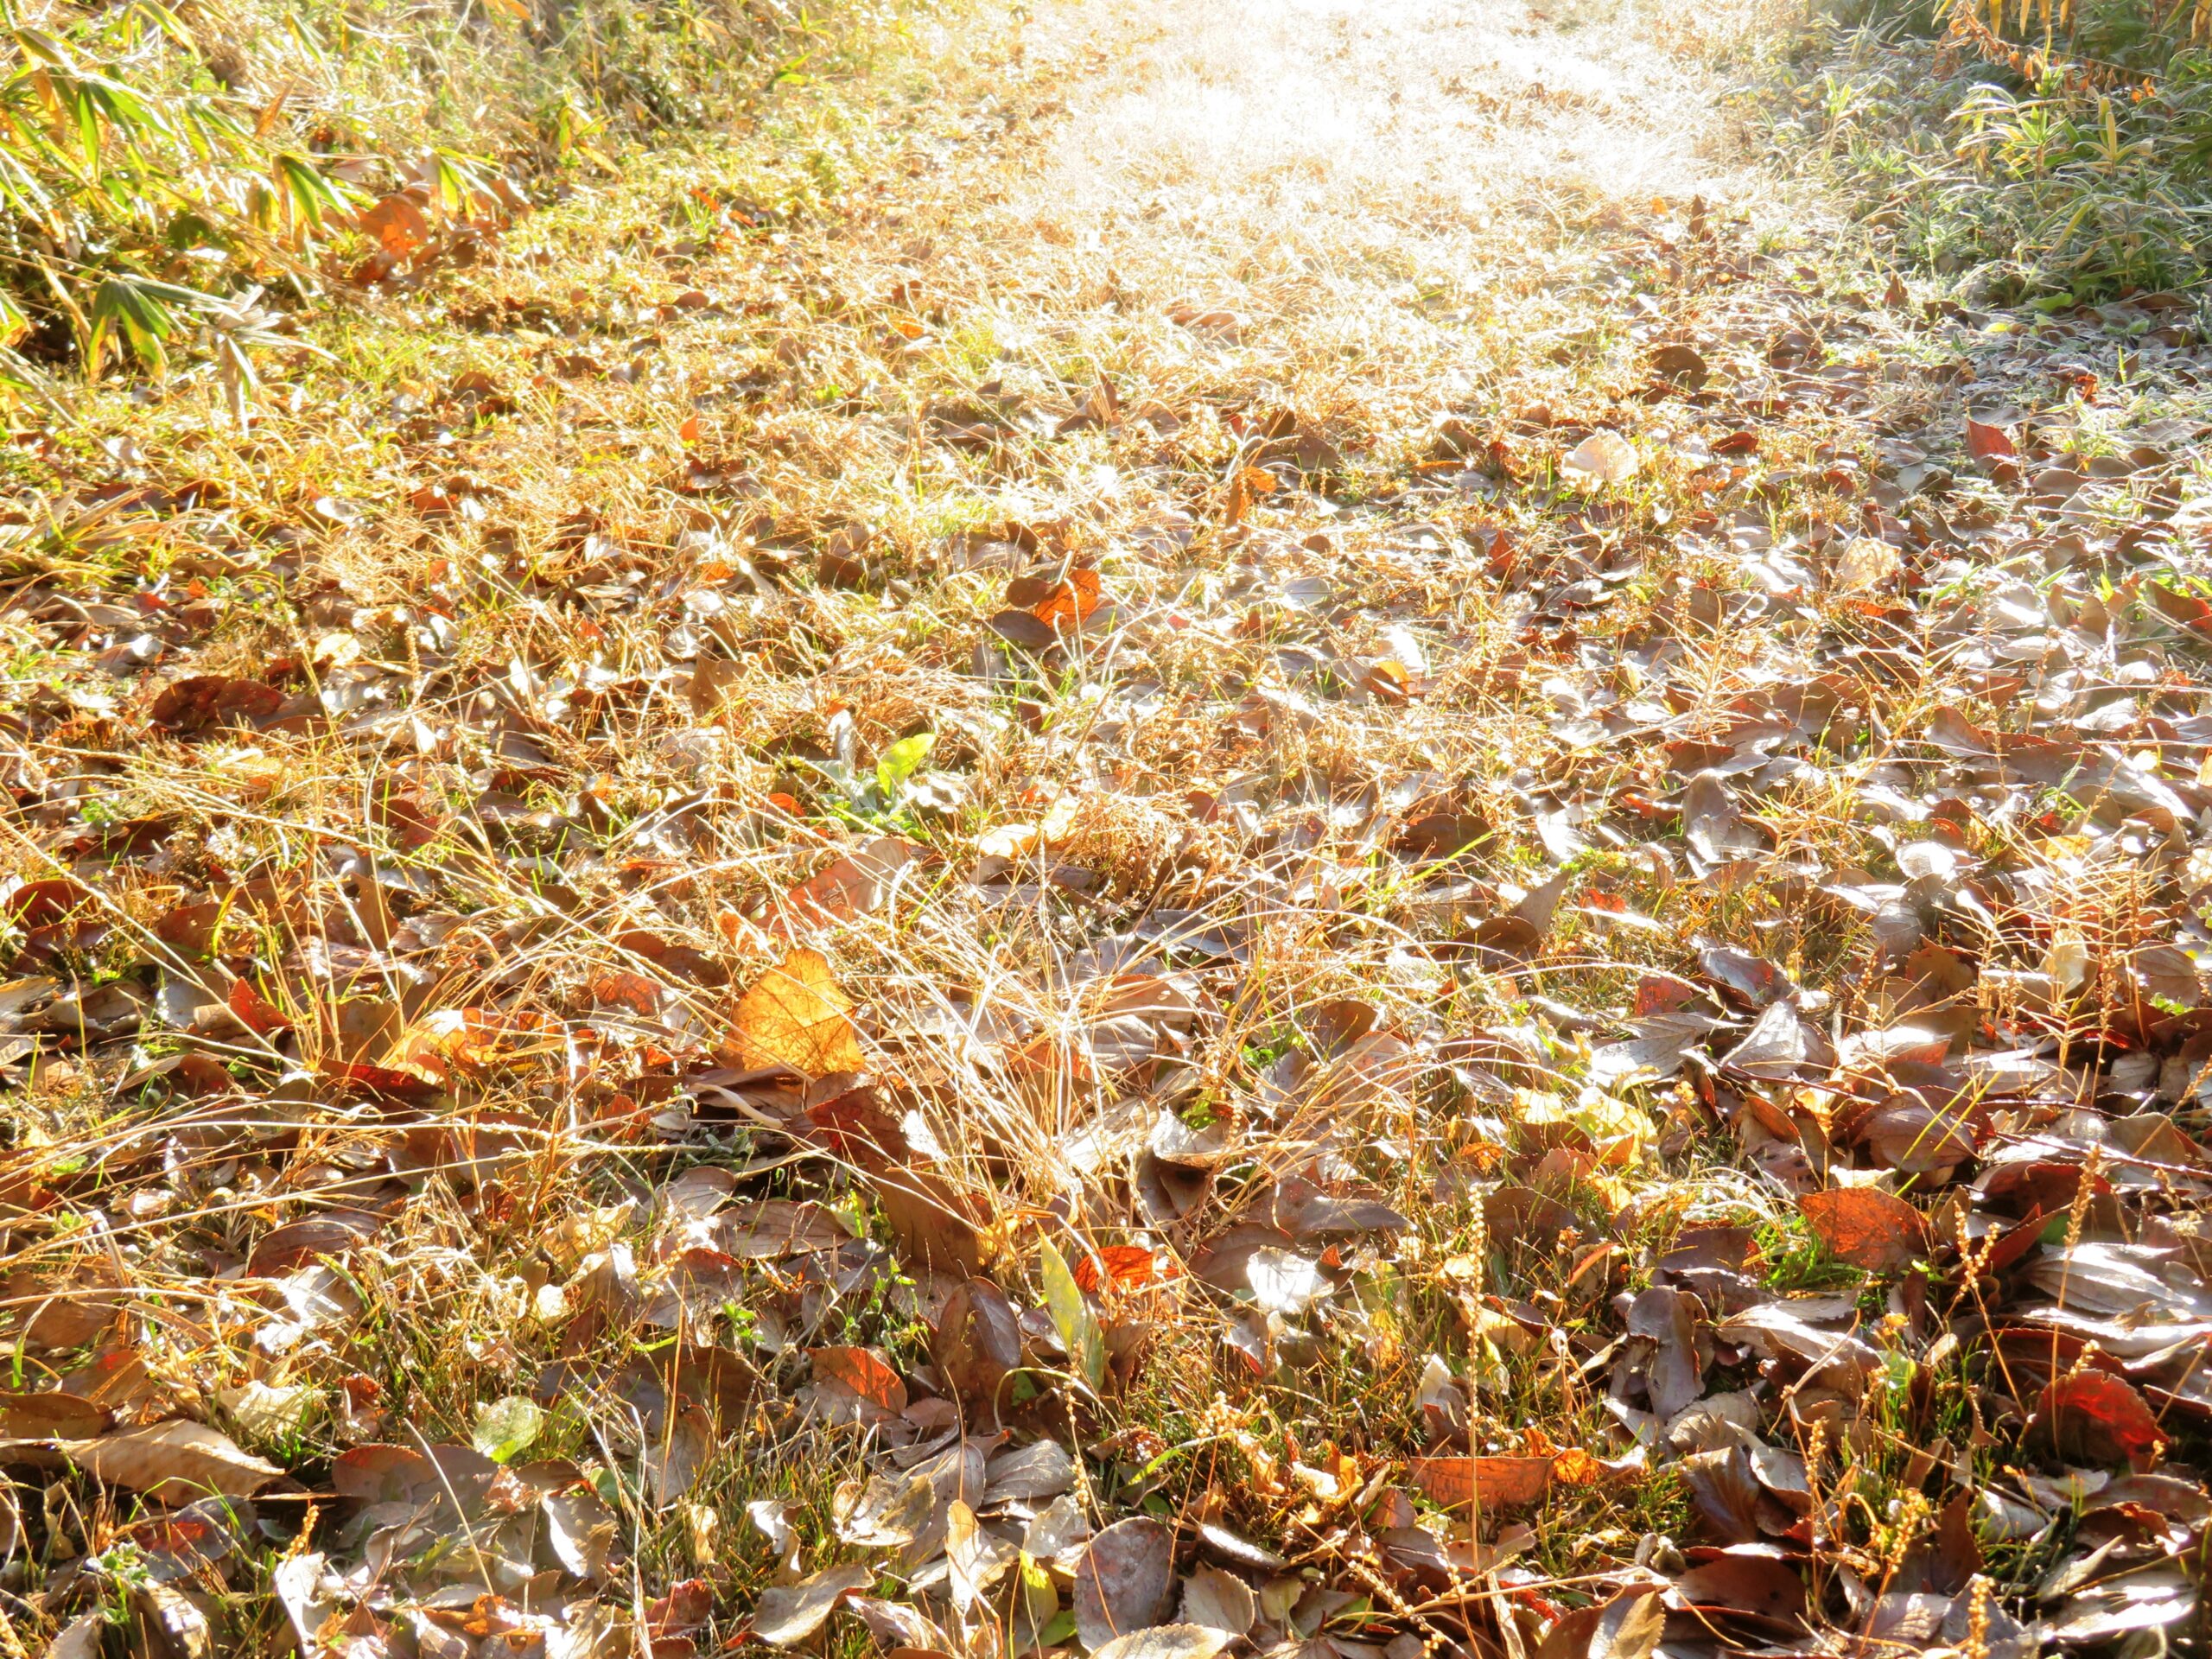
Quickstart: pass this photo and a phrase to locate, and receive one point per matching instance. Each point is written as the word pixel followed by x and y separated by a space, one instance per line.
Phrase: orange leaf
pixel 1864 1226
pixel 863 1373
pixel 1126 1267
pixel 1486 1482
pixel 1576 1467
pixel 397 224
pixel 796 1016
pixel 1070 603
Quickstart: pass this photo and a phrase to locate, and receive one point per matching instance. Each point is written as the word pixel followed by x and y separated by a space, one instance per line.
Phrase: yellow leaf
pixel 796 1016
pixel 1008 840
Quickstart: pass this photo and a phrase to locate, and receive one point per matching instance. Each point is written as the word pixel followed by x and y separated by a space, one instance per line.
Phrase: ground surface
pixel 1209 774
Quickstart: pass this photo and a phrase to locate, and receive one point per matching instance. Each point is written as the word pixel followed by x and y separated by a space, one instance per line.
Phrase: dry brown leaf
pixel 852 887
pixel 978 1342
pixel 173 1462
pixel 1125 1580
pixel 789 1614
pixel 937 1225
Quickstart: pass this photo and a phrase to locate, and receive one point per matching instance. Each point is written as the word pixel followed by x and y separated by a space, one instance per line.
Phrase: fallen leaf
pixel 1123 1267
pixel 1666 1318
pixel 203 700
pixel 1488 1483
pixel 864 1374
pixel 978 1342
pixel 1985 442
pixel 1749 1580
pixel 788 1614
pixel 1683 365
pixel 1219 1600
pixel 173 1462
pixel 2094 1417
pixel 1601 458
pixel 398 225
pixel 1865 1226
pixel 855 885
pixel 1125 1580
pixel 796 1015
pixel 936 1224
pixel 1629 1626
pixel 582 1530
pixel 977 1557
pixel 1167 1642
pixel 884 1512
pixel 1071 1316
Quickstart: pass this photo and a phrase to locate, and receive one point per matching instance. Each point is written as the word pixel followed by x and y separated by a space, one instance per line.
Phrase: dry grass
pixel 597 583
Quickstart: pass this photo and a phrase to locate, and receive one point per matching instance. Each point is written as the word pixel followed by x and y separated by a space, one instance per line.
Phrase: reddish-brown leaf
pixel 2094 1417
pixel 41 904
pixel 204 700
pixel 256 1011
pixel 1985 442
pixel 1865 1226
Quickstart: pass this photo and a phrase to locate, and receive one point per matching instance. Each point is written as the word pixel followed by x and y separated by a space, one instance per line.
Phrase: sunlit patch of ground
pixel 703 540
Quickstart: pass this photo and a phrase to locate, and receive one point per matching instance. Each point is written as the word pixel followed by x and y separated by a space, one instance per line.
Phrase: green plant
pixel 135 195
pixel 165 185
pixel 2063 156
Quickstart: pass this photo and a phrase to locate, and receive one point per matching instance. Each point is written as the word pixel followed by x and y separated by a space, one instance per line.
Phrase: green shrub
pixel 2071 157
pixel 171 176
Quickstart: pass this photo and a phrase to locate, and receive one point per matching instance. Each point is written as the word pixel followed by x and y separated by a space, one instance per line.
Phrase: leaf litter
pixel 1331 1011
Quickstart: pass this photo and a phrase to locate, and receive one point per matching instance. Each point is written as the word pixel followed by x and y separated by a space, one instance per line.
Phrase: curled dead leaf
pixel 1601 458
